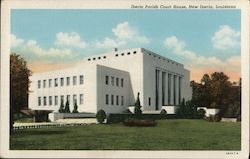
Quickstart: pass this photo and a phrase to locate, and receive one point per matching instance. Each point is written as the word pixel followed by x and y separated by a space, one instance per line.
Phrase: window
pixel 74 99
pixel 112 81
pixel 74 80
pixel 89 59
pixel 62 99
pixel 94 58
pixel 107 80
pixel 117 100
pixel 122 82
pixel 56 82
pixel 39 101
pixel 68 81
pixel 50 82
pixel 56 100
pixel 62 81
pixel 116 54
pixel 122 100
pixel 128 53
pixel 50 100
pixel 149 101
pixel 39 84
pixel 104 57
pixel 44 83
pixel 112 99
pixel 99 58
pixel 117 82
pixel 44 101
pixel 107 99
pixel 81 98
pixel 134 52
pixel 81 79
pixel 122 54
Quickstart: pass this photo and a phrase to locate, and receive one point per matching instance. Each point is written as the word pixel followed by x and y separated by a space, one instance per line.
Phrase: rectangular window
pixel 122 100
pixel 62 99
pixel 39 101
pixel 74 99
pixel 81 98
pixel 74 80
pixel 68 81
pixel 44 83
pixel 122 82
pixel 107 80
pixel 169 88
pixel 112 81
pixel 50 100
pixel 117 100
pixel 50 82
pixel 62 81
pixel 56 82
pixel 163 88
pixel 174 89
pixel 44 101
pixel 39 84
pixel 107 99
pixel 112 99
pixel 81 79
pixel 56 100
pixel 149 101
pixel 117 82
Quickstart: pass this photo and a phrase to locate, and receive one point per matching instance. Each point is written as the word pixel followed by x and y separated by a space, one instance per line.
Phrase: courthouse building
pixel 111 82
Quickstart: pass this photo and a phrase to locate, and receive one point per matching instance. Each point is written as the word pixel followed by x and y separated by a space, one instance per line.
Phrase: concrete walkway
pixel 58 123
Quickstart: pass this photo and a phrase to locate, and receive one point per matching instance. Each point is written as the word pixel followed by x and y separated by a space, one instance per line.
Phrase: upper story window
pixel 44 83
pixel 81 79
pixel 39 101
pixel 107 80
pixel 62 81
pixel 122 100
pixel 112 81
pixel 117 82
pixel 56 100
pixel 112 99
pixel 50 100
pixel 68 81
pixel 107 99
pixel 56 82
pixel 39 84
pixel 74 80
pixel 122 82
pixel 117 100
pixel 74 99
pixel 50 82
pixel 44 101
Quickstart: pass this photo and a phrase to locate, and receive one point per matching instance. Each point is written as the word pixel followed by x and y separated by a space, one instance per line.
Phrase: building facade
pixel 111 82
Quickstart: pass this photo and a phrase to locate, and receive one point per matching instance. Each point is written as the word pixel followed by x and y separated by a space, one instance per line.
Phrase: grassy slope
pixel 167 135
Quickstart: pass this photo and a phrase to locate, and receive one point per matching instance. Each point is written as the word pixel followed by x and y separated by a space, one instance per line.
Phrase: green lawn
pixel 167 135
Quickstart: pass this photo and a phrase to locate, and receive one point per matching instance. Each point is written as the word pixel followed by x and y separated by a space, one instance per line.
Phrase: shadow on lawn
pixel 39 132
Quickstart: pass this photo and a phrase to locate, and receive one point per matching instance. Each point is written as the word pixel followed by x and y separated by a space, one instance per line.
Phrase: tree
pixel 66 109
pixel 75 108
pixel 61 109
pixel 19 85
pixel 137 108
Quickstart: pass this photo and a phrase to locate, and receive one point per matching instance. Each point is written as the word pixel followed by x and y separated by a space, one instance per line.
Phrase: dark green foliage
pixel 188 111
pixel 61 109
pixel 75 108
pixel 138 106
pixel 139 123
pixel 201 113
pixel 216 91
pixel 163 111
pixel 19 85
pixel 116 118
pixel 101 116
pixel 66 109
pixel 127 111
pixel 213 118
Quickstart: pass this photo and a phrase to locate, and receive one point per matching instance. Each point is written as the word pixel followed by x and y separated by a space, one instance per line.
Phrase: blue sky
pixel 196 38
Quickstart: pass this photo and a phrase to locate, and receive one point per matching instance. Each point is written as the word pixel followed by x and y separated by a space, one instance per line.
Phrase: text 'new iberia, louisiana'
pixel 181 6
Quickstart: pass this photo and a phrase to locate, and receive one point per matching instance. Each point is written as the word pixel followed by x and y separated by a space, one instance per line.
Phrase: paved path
pixel 58 123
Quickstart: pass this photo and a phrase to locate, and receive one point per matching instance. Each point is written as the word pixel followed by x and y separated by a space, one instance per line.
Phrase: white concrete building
pixel 111 82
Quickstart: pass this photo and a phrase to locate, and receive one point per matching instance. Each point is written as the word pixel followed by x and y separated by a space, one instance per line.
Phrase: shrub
pixel 137 108
pixel 163 111
pixel 127 111
pixel 61 109
pixel 75 108
pixel 139 123
pixel 101 116
pixel 66 109
pixel 201 113
pixel 213 118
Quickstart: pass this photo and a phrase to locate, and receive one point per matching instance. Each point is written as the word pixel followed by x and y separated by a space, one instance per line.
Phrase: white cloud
pixel 70 39
pixel 31 47
pixel 124 34
pixel 14 41
pixel 226 38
